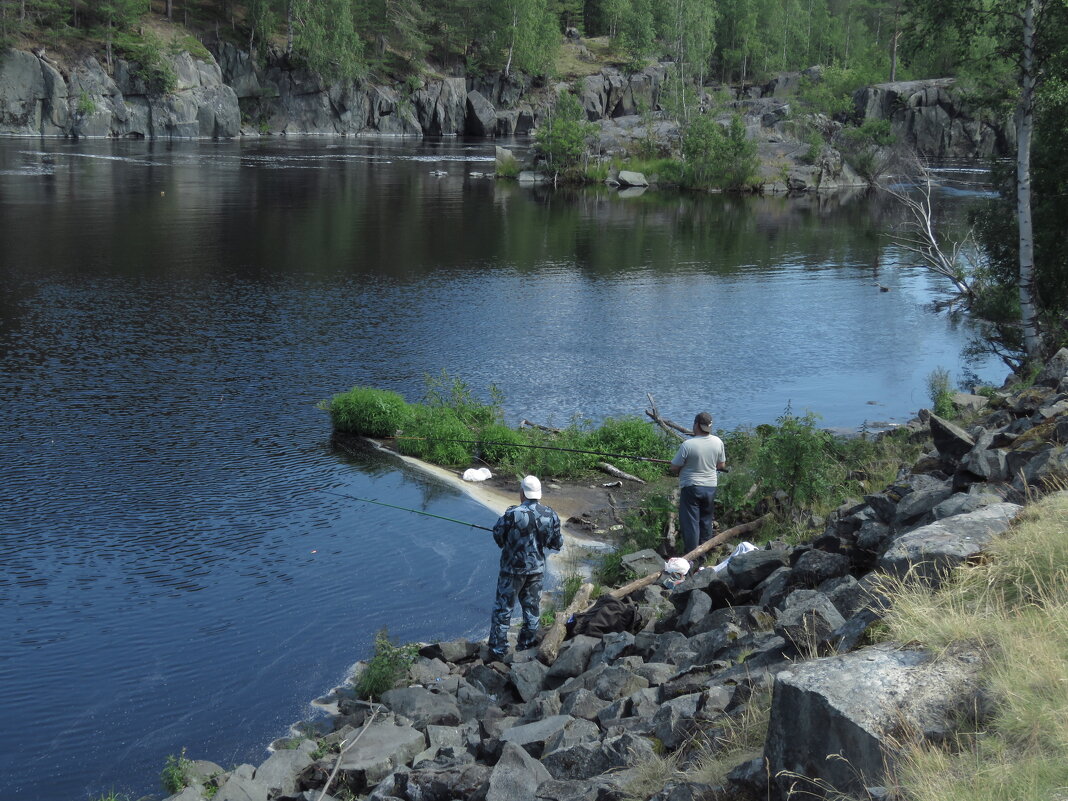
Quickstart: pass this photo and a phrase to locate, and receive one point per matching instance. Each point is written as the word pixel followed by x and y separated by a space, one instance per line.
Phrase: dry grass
pixel 741 739
pixel 1014 606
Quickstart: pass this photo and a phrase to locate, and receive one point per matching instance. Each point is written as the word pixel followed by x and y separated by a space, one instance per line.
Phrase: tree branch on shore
pixel 615 471
pixel 671 427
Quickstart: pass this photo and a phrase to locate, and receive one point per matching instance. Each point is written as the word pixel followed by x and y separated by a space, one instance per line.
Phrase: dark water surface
pixel 175 573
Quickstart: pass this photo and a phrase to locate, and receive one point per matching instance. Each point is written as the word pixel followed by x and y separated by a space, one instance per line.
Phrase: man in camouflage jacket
pixel 523 533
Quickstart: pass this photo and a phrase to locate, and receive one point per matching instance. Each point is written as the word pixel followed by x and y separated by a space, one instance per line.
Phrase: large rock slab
pixel 423 707
pixel 932 550
pixel 855 705
pixel 516 775
pixel 381 748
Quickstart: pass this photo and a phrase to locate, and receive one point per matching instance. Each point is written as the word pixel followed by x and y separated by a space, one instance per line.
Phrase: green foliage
pixel 637 33
pixel 866 147
pixel 326 39
pixel 448 392
pixel 431 428
pixel 175 775
pixel 85 105
pixel 146 54
pixel 569 588
pixel 793 458
pixel 561 141
pixel 832 92
pixel 501 455
pixel 631 436
pixel 191 45
pixel 716 158
pixel 508 168
pixel 368 412
pixel 386 668
pixel 938 390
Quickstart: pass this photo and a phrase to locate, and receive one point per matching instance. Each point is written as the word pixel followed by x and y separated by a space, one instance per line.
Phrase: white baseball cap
pixel 531 487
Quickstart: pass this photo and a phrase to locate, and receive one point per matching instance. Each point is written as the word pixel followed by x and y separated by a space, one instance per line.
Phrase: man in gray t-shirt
pixel 696 464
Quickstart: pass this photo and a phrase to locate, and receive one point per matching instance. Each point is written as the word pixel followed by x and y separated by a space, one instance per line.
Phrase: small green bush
pixel 175 774
pixel 445 391
pixel 368 412
pixel 794 458
pixel 718 158
pixel 939 392
pixel 386 668
pixel 430 435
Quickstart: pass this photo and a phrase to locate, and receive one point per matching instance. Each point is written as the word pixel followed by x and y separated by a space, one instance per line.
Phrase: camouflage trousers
pixel 528 588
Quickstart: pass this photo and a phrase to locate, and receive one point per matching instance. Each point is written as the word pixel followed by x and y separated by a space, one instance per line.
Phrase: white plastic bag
pixel 477 474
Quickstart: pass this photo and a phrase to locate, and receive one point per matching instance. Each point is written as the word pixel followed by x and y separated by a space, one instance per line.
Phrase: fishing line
pixel 404 509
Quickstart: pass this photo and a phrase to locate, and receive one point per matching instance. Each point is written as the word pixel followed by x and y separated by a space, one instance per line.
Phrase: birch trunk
pixel 1025 123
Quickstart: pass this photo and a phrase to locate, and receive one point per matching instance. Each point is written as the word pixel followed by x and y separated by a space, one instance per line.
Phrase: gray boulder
pixel 808 620
pixel 423 707
pixel 815 567
pixel 481 115
pixel 239 786
pixel 951 441
pixel 932 550
pixel 527 678
pixel 532 736
pixel 279 773
pixel 854 705
pixel 573 659
pixel 516 775
pixel 749 569
pixel 380 750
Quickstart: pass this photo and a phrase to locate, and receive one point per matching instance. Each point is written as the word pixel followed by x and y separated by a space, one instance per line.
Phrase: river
pixel 178 570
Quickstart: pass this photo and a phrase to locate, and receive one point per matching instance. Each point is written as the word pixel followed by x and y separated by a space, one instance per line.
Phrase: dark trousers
pixel 697 513
pixel 528 588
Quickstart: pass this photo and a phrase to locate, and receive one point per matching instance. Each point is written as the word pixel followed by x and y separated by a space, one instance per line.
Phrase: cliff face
pixel 229 95
pixel 934 119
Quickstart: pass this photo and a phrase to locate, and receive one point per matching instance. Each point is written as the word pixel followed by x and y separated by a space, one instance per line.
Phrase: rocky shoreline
pixel 226 94
pixel 792 621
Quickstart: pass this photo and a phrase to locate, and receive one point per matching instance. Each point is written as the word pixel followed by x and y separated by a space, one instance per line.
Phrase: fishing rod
pixel 540 447
pixel 404 509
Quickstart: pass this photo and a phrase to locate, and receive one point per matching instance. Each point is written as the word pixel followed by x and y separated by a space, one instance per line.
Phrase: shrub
pixel 386 668
pixel 793 458
pixel 562 139
pixel 368 412
pixel 447 392
pixel 175 773
pixel 718 158
pixel 939 393
pixel 148 62
pixel 430 435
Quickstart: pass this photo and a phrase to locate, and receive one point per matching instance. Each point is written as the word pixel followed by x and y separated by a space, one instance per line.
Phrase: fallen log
pixel 550 645
pixel 527 424
pixel 699 551
pixel 615 471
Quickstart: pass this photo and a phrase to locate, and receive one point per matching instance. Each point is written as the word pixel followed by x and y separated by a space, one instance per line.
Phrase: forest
pixel 721 40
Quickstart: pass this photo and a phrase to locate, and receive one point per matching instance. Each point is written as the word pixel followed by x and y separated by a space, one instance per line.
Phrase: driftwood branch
pixel 528 424
pixel 615 471
pixel 672 428
pixel 700 550
pixel 550 645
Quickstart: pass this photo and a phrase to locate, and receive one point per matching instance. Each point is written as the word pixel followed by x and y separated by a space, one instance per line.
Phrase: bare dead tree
pixel 919 235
